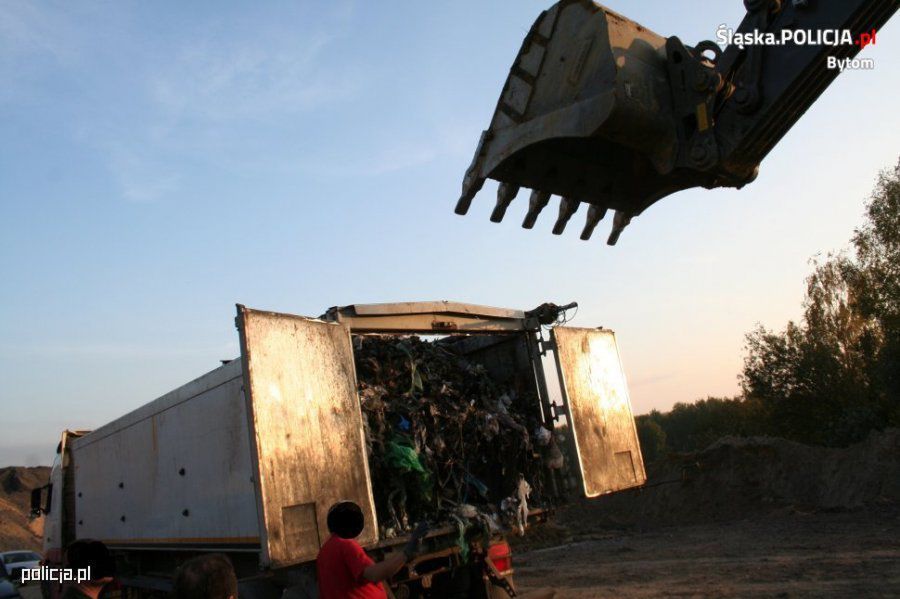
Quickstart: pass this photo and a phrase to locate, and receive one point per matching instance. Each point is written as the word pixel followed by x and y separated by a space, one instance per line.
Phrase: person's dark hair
pixel 87 553
pixel 208 576
pixel 346 520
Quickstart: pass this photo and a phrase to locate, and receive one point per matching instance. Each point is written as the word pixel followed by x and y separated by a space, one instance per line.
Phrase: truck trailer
pixel 247 459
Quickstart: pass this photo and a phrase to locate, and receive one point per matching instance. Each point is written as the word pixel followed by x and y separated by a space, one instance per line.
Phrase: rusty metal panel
pixel 307 430
pixel 439 307
pixel 593 382
pixel 427 317
pixel 430 324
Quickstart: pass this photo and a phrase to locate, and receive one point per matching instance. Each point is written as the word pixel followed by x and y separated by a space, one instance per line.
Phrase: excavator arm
pixel 602 111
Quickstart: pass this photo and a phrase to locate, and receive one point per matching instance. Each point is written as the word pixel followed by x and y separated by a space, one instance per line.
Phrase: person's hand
pixel 414 545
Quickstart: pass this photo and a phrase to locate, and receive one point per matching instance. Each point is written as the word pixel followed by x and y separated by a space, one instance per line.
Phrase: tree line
pixel 828 379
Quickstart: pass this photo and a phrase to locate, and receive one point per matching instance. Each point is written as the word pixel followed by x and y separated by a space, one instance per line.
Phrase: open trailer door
pixel 594 387
pixel 307 428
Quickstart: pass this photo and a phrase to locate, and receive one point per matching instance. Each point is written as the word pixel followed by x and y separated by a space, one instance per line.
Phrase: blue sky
pixel 162 161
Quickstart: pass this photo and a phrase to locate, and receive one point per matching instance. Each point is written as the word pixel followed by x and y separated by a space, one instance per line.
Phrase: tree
pixel 652 438
pixel 875 278
pixel 691 427
pixel 833 376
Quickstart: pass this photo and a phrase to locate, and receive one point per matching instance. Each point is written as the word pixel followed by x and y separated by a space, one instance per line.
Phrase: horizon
pixel 168 164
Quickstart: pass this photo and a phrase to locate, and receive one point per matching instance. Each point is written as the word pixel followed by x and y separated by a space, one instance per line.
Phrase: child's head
pixel 346 520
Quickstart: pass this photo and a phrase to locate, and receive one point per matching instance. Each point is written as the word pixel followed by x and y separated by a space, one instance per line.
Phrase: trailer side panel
pixel 174 473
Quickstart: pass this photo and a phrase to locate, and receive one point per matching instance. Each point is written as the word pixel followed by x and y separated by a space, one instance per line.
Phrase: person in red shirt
pixel 344 570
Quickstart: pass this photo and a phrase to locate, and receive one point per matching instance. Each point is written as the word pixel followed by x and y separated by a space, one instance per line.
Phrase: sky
pixel 162 161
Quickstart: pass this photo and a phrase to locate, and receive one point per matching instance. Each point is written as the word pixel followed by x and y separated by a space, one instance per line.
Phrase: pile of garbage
pixel 445 442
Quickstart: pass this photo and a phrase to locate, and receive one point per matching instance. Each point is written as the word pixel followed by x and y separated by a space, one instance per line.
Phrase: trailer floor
pixel 790 554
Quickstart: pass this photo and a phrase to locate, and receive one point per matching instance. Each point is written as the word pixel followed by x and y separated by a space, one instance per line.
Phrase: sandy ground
pixel 792 554
pixel 788 554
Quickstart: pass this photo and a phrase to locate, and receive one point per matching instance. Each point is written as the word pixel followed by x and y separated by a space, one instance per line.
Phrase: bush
pixel 652 438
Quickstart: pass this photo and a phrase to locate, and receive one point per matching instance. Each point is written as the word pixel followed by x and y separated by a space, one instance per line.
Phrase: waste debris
pixel 515 507
pixel 445 442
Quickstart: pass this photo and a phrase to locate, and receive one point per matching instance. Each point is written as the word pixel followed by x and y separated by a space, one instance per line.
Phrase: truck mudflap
pixel 598 409
pixel 301 382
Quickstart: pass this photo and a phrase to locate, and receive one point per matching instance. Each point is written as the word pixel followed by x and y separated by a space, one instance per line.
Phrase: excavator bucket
pixel 585 114
pixel 602 111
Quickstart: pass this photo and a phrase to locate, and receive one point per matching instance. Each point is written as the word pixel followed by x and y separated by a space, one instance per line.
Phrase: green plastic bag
pixel 400 455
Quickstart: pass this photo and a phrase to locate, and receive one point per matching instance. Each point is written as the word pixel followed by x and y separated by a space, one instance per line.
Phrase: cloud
pixel 26 30
pixel 141 177
pixel 380 160
pixel 249 79
pixel 219 102
pixel 243 93
pixel 652 380
pixel 402 156
pixel 30 35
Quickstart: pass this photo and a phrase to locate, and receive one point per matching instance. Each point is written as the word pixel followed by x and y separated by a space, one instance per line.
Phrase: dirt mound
pixel 16 530
pixel 738 477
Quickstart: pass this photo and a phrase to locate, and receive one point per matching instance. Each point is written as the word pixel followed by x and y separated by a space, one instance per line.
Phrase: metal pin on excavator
pixel 600 110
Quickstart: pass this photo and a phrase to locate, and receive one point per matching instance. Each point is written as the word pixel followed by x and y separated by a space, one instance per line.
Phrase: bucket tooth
pixel 536 203
pixel 506 193
pixel 471 187
pixel 595 215
pixel 462 205
pixel 465 201
pixel 620 221
pixel 567 207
